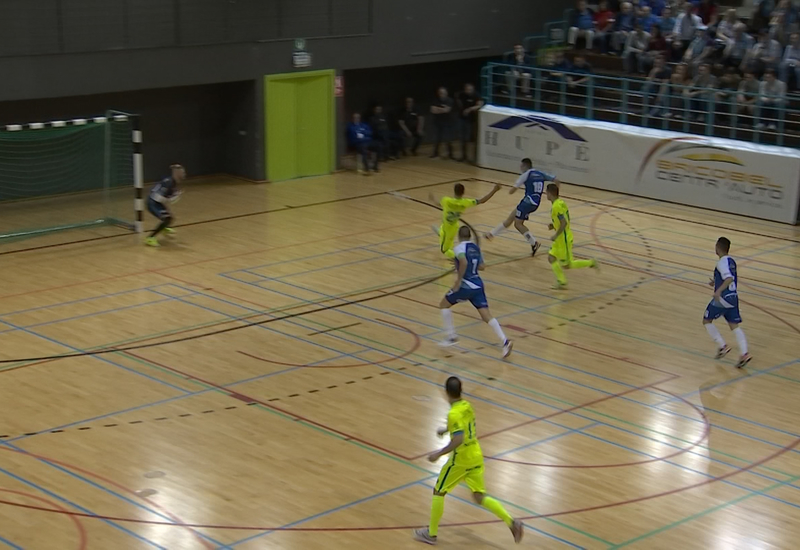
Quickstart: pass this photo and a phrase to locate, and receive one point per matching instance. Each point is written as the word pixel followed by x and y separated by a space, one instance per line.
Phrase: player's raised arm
pixel 490 194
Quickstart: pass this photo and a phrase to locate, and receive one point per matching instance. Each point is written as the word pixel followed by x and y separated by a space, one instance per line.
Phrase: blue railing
pixel 666 106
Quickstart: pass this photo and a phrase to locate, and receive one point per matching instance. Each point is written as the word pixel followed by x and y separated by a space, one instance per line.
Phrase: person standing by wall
pixel 442 111
pixel 469 103
pixel 412 126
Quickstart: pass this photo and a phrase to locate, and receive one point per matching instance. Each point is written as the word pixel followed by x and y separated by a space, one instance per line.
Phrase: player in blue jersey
pixel 726 303
pixel 161 196
pixel 469 287
pixel 534 182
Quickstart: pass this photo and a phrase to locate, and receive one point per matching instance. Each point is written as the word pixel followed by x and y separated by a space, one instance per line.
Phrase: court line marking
pixel 82 537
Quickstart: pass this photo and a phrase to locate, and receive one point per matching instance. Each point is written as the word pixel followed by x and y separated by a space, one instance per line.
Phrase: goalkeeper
pixel 161 196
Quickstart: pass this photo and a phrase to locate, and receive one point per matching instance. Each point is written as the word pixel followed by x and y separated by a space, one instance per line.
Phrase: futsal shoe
pixel 559 286
pixel 507 347
pixel 595 265
pixel 723 351
pixel 488 236
pixel 422 535
pixel 169 231
pixel 152 241
pixel 535 248
pixel 448 342
pixel 518 530
pixel 743 360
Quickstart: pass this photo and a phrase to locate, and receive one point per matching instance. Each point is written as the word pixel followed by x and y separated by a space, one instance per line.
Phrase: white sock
pixel 740 339
pixel 447 319
pixel 714 333
pixel 498 331
pixel 497 230
pixel 530 238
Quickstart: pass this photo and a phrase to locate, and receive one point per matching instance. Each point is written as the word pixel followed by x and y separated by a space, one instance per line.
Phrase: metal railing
pixel 650 104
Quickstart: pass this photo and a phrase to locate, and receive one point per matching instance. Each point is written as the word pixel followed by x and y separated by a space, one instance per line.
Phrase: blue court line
pixel 85 315
pixel 74 505
pixel 527 525
pixel 10 544
pixel 543 403
pixel 384 493
pixel 71 302
pixel 98 357
pixel 666 411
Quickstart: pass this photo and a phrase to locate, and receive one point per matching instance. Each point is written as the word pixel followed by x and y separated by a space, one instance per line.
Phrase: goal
pixel 70 174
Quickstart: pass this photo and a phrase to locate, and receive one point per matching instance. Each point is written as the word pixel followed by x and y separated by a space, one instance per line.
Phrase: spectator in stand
pixel 603 25
pixel 657 47
pixel 581 25
pixel 766 54
pixel 761 13
pixel 726 91
pixel 700 92
pixel 677 83
pixel 707 11
pixel 635 47
pixel 359 137
pixel 648 20
pixel 771 96
pixel 790 66
pixel 698 51
pixel 412 126
pixel 686 25
pixel 576 83
pixel 623 26
pixel 667 24
pixel 736 52
pixel 747 97
pixel 657 83
pixel 656 6
pixel 469 103
pixel 520 75
pixel 783 22
pixel 727 25
pixel 380 133
pixel 442 111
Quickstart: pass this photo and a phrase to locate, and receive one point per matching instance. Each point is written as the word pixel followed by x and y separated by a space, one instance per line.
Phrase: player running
pixel 161 196
pixel 452 208
pixel 726 303
pixel 469 286
pixel 533 181
pixel 560 254
pixel 465 464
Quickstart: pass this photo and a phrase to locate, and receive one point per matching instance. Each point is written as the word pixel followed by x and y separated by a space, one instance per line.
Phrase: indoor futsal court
pixel 270 378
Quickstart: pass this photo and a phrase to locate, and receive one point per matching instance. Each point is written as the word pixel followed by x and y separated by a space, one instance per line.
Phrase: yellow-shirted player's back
pixel 452 208
pixel 559 208
pixel 461 419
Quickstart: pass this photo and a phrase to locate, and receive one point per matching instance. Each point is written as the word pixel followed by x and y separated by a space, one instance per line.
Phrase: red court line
pixel 243 397
pixel 76 520
pixel 705 482
pixel 693 445
pixel 405 354
pixel 568 410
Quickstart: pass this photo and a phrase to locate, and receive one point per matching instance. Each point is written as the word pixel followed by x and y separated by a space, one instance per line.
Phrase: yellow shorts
pixel 561 249
pixel 447 238
pixel 453 474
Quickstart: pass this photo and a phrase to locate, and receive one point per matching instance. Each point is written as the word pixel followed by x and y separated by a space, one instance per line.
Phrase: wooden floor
pixel 270 378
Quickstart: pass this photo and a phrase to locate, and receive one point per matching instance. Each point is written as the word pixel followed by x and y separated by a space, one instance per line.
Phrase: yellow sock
pixel 556 267
pixel 437 510
pixel 577 264
pixel 494 506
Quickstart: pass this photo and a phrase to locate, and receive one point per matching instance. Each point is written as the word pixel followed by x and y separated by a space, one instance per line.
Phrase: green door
pixel 299 125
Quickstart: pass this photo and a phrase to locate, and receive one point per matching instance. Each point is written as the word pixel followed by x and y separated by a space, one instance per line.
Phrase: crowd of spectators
pixel 691 53
pixel 378 136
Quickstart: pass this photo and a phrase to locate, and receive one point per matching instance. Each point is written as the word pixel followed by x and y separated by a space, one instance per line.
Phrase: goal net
pixel 69 174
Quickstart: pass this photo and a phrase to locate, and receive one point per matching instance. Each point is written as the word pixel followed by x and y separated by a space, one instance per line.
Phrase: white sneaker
pixel 760 126
pixel 771 126
pixel 448 342
pixel 507 347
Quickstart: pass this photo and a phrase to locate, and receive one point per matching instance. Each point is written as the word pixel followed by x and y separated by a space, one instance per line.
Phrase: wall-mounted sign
pixel 300 57
pixel 338 86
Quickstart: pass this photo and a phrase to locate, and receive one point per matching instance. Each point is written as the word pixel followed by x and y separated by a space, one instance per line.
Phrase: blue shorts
pixel 476 296
pixel 715 310
pixel 157 209
pixel 525 208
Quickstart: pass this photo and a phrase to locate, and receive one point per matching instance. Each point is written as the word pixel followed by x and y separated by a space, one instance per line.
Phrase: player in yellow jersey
pixel 560 254
pixel 465 464
pixel 452 208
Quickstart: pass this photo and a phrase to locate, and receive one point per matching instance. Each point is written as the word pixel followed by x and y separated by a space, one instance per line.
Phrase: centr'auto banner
pixel 730 176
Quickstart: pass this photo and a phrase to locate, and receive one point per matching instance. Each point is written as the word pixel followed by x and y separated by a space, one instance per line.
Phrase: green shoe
pixel 169 231
pixel 152 241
